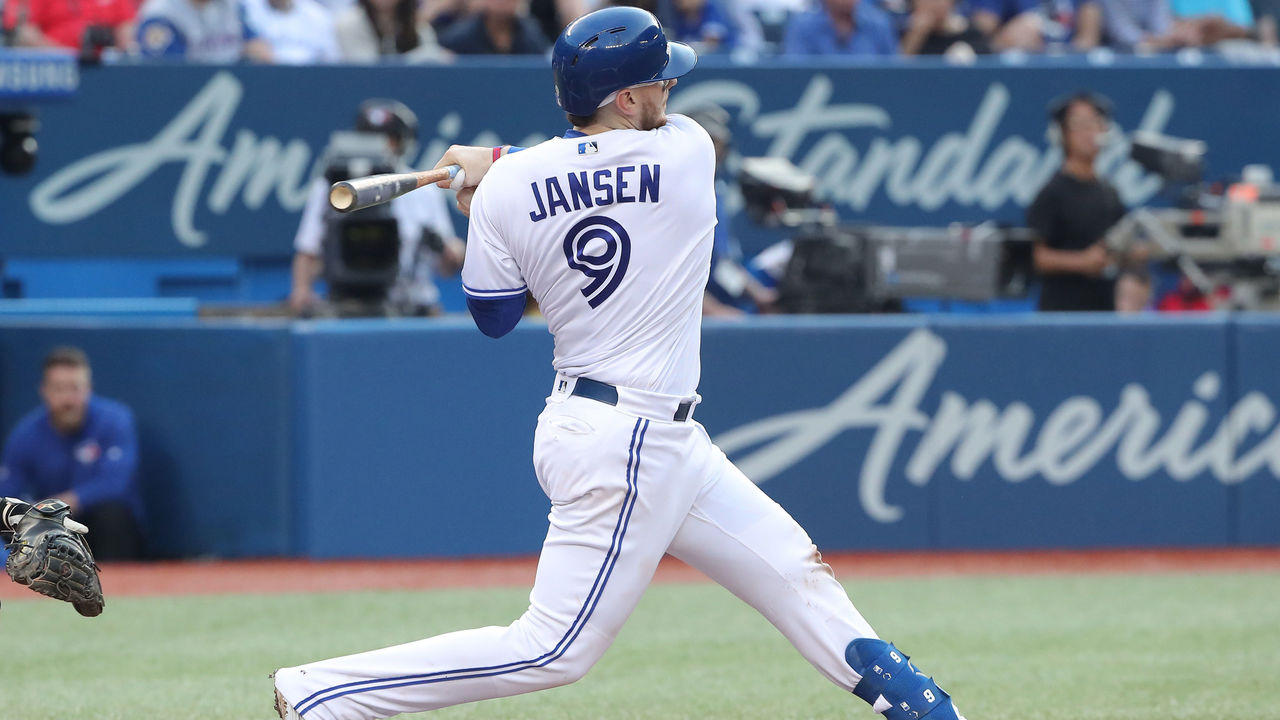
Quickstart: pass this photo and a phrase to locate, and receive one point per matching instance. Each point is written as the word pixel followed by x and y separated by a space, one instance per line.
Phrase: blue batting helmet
pixel 611 49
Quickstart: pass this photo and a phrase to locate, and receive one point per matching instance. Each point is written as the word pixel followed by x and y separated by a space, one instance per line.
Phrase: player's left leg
pixel 746 542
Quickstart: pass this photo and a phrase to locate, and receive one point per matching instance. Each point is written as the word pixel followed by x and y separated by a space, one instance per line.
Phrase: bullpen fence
pixel 396 438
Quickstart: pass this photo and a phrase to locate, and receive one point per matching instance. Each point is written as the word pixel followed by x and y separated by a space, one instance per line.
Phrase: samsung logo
pixel 27 75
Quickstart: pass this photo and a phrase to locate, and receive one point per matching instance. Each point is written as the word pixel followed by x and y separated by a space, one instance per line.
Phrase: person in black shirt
pixel 1073 211
pixel 935 28
pixel 498 27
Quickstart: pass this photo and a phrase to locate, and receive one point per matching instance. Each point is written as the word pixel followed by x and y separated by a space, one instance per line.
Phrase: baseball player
pixel 610 228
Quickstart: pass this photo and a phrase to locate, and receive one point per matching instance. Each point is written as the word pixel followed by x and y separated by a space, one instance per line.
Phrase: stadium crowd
pixel 365 31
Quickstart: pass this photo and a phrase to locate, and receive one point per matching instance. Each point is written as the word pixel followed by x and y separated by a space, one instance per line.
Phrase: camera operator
pixel 427 243
pixel 1072 213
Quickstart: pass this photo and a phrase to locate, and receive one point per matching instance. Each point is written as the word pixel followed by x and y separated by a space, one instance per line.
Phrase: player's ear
pixel 627 102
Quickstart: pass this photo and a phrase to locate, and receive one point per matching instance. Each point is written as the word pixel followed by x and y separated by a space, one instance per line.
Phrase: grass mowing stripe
pixel 1077 647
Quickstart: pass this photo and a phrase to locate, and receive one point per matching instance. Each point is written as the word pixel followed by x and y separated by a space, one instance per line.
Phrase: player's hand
pixel 474 161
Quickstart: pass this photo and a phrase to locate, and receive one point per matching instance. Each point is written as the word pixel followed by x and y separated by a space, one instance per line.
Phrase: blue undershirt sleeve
pixel 496 316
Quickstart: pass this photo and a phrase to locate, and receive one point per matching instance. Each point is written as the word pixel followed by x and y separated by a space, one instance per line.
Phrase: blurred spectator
pixel 335 6
pixel 935 28
pixel 208 31
pixel 1266 17
pixel 1186 297
pixel 748 23
pixel 731 289
pixel 768 20
pixel 701 23
pixel 1034 25
pixel 1136 24
pixel 373 29
pixel 497 27
pixel 82 449
pixel 1200 23
pixel 1073 212
pixel 86 26
pixel 553 15
pixel 649 6
pixel 299 32
pixel 422 220
pixel 440 14
pixel 1133 291
pixel 841 27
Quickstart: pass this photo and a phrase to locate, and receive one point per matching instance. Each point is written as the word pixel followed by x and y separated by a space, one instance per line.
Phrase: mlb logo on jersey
pixel 587 148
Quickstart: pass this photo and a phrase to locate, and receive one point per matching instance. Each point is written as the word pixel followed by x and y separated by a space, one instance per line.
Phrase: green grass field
pixel 1078 647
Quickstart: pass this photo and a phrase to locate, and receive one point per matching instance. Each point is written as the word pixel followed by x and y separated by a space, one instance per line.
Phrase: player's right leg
pixel 745 541
pixel 613 512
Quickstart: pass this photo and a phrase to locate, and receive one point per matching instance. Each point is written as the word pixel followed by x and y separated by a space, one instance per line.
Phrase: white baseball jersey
pixel 612 235
pixel 423 209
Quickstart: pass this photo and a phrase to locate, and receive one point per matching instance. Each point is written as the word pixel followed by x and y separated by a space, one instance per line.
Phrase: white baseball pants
pixel 624 490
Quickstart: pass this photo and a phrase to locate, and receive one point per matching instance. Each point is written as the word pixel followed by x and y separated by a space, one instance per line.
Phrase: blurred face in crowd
pixel 502 8
pixel 689 7
pixel 841 8
pixel 66 395
pixel 1082 130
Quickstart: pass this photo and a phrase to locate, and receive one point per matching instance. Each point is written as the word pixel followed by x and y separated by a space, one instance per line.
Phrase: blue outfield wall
pixel 413 438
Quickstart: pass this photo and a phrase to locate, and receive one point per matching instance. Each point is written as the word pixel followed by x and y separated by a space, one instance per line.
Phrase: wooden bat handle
pixel 357 193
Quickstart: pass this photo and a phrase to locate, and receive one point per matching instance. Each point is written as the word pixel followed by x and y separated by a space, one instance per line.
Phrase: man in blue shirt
pixel 82 449
pixel 841 27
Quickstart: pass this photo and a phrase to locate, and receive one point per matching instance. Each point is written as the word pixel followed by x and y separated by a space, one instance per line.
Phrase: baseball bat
pixel 363 192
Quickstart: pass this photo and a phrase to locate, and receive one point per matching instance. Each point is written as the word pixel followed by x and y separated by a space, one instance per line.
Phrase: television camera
pixel 1217 235
pixel 836 267
pixel 361 249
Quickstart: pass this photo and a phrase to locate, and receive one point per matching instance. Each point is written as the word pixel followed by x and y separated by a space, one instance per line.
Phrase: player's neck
pixel 600 127
pixel 609 119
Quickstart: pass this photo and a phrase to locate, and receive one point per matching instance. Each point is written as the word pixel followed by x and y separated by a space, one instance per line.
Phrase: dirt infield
pixel 266 576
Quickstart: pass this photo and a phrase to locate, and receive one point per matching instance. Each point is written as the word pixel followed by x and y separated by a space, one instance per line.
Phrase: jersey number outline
pixel 605 269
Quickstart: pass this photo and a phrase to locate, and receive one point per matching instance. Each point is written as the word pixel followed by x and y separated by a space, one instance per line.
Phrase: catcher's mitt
pixel 48 554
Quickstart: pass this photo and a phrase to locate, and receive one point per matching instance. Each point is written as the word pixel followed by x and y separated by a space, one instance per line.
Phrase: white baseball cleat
pixel 283 708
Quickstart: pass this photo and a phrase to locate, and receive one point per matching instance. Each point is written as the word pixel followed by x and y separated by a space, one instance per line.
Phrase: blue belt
pixel 608 394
